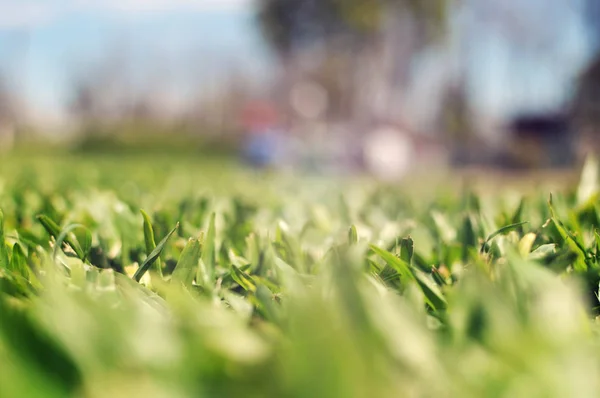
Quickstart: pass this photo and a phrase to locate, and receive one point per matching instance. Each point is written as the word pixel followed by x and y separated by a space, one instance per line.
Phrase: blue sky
pixel 186 44
pixel 524 54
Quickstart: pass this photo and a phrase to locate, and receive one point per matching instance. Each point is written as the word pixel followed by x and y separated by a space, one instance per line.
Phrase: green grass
pixel 153 276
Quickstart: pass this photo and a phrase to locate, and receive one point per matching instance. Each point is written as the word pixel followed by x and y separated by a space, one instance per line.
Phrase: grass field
pixel 157 276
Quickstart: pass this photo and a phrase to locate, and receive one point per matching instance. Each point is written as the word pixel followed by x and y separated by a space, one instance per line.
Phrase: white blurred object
pixel 309 100
pixel 388 153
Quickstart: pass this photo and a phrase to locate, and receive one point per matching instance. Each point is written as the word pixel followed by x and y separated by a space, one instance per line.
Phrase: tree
pixel 289 24
pixel 7 104
pixel 103 92
pixel 365 46
pixel 8 115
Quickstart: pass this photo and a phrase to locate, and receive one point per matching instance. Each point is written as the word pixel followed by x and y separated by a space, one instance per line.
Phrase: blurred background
pixel 332 86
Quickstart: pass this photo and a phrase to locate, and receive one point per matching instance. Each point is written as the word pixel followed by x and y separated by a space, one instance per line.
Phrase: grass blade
pixel 185 269
pixel 407 250
pixel 209 247
pixel 153 256
pixel 3 249
pixel 242 279
pixel 394 262
pixel 502 231
pixel 18 261
pixel 432 292
pixel 542 251
pixel 55 231
pixel 352 235
pixel 82 251
pixel 588 185
pixel 526 244
pixel 150 242
pixel 572 242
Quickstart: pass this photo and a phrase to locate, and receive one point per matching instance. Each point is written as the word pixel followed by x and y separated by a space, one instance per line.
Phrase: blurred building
pixel 593 19
pixel 586 108
pixel 544 140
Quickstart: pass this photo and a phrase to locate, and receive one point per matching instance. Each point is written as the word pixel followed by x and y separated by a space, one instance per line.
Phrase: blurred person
pixel 264 143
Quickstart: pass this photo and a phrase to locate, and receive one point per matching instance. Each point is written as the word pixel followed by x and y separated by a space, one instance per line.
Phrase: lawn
pixel 159 276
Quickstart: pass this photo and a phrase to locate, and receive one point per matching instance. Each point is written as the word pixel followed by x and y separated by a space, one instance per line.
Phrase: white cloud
pixel 16 14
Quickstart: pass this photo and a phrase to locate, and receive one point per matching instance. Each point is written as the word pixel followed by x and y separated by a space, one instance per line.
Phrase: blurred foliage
pixel 274 285
pixel 333 43
pixel 289 24
pixel 149 136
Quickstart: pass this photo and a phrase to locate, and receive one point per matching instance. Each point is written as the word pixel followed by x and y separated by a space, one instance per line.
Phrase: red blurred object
pixel 259 116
